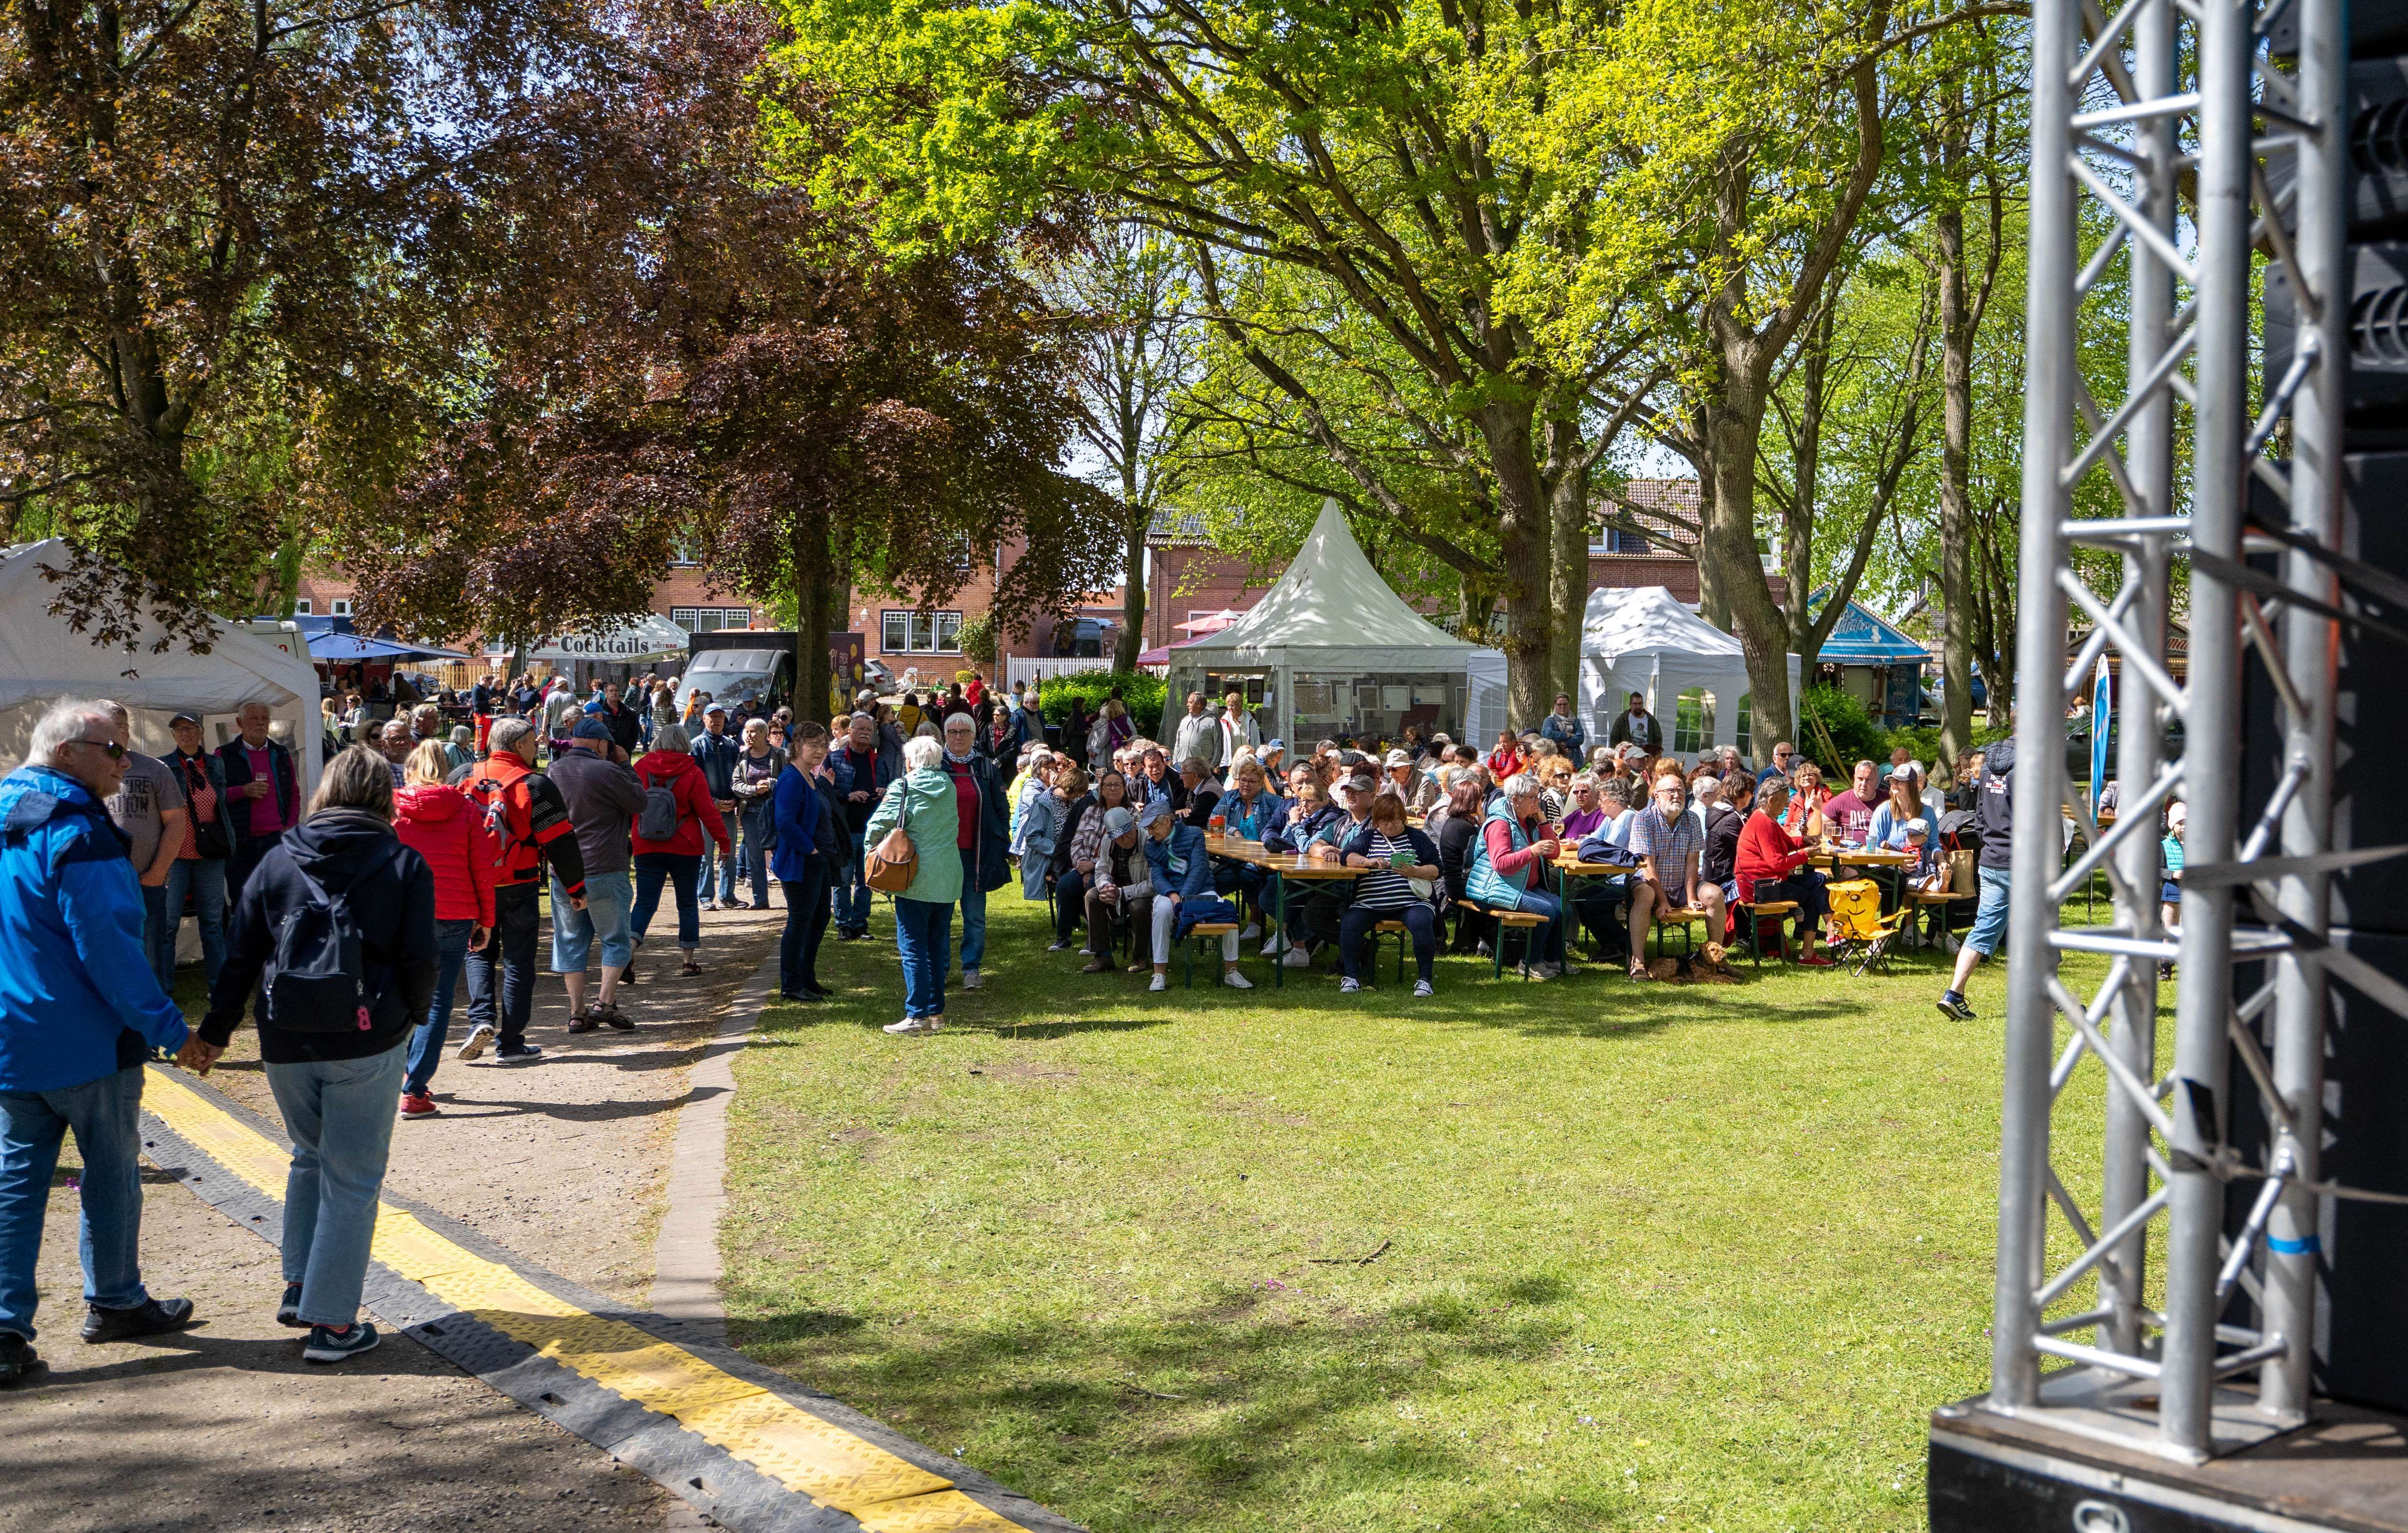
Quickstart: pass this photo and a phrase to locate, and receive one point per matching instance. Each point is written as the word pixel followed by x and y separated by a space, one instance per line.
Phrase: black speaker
pixel 2377 29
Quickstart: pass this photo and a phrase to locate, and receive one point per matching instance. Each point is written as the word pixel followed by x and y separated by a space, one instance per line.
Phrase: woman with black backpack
pixel 336 928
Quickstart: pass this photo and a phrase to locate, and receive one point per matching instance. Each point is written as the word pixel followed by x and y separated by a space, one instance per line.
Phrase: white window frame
pixel 339 606
pixel 923 633
pixel 301 607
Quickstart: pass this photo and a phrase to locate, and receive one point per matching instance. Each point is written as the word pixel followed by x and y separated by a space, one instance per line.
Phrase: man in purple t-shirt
pixel 1851 814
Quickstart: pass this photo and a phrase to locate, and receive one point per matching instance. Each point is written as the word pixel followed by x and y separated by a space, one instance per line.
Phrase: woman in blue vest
pixel 1506 859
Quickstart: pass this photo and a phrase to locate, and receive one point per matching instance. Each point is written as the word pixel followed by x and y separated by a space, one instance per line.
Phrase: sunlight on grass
pixel 1563 1255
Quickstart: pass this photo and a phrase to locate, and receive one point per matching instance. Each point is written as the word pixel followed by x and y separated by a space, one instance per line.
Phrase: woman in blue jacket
pixel 807 858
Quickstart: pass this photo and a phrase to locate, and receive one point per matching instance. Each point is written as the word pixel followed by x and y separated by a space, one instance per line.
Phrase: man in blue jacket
pixel 79 1007
pixel 715 750
pixel 863 764
pixel 1182 892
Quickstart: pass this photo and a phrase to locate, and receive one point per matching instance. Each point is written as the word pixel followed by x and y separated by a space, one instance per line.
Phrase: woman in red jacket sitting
pixel 670 766
pixel 446 827
pixel 1771 866
pixel 1506 759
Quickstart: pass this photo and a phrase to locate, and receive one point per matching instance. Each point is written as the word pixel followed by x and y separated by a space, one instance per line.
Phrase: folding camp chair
pixel 1859 932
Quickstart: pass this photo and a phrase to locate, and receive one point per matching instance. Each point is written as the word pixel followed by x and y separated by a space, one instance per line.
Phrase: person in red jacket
pixel 527 812
pixel 669 767
pixel 446 827
pixel 1771 866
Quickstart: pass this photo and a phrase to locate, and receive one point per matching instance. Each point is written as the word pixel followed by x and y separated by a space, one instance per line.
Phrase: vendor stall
pixel 1694 676
pixel 1330 651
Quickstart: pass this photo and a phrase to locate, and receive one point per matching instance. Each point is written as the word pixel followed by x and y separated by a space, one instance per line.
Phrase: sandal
pixel 691 967
pixel 1639 974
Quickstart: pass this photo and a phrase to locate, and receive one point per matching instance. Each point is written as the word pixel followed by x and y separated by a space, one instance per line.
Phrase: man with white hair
pixel 395 742
pixel 263 793
pixel 79 1007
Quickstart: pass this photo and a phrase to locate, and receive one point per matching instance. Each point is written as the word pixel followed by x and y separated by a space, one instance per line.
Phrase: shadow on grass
pixel 1229 1408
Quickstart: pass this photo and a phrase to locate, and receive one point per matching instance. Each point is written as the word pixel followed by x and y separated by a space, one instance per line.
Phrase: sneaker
pixel 1254 929
pixel 149 1318
pixel 288 1310
pixel 327 1345
pixel 472 1048
pixel 758 904
pixel 1097 966
pixel 1482 950
pixel 518 1053
pixel 1424 988
pixel 1953 1007
pixel 1271 945
pixel 1058 945
pixel 910 1024
pixel 1546 970
pixel 972 979
pixel 417 1104
pixel 1235 981
pixel 18 1359
pixel 1349 987
pixel 706 905
pixel 1297 958
pixel 1161 981
pixel 1814 960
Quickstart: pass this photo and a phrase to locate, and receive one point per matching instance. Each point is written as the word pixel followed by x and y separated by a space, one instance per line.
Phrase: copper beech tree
pixel 697 357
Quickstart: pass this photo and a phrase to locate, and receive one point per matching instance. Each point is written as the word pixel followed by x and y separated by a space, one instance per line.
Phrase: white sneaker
pixel 1297 958
pixel 473 1046
pixel 1235 981
pixel 1161 981
pixel 1271 945
pixel 910 1024
pixel 971 979
pixel 1254 929
pixel 1423 988
pixel 1348 987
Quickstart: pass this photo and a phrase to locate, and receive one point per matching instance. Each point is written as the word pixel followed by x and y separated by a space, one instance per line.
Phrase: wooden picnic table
pixel 1282 866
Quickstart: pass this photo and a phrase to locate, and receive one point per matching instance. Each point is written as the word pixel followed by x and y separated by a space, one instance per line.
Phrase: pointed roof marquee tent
pixel 1331 611
pixel 1644 638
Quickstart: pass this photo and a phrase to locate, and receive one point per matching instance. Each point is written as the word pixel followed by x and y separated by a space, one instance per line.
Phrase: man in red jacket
pixel 1770 866
pixel 530 817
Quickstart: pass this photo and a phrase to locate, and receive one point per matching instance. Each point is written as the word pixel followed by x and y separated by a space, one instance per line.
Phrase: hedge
pixel 1142 692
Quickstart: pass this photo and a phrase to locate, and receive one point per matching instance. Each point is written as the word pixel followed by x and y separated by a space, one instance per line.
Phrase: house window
pixel 340 607
pixel 1693 721
pixel 301 606
pixel 710 620
pixel 920 633
pixel 1616 541
pixel 686 554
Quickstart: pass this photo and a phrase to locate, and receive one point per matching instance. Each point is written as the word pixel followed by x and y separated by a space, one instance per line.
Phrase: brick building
pixel 1189 577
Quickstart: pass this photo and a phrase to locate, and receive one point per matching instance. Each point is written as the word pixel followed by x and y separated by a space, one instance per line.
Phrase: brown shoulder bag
pixel 892 863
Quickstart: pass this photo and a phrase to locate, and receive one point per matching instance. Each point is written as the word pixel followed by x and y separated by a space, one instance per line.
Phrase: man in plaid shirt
pixel 1670 848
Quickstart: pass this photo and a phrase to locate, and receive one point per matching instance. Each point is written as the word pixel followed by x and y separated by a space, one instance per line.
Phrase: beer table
pixel 1282 866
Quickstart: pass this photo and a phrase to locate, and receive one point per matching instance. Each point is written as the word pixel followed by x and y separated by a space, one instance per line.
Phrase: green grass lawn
pixel 1677 1257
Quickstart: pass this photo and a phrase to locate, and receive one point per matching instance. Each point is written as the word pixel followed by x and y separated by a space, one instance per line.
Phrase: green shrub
pixel 1835 733
pixel 1142 693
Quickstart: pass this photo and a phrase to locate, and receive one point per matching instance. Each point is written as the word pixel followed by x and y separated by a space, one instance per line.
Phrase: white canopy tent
pixel 1643 639
pixel 1332 648
pixel 42 659
pixel 1484 707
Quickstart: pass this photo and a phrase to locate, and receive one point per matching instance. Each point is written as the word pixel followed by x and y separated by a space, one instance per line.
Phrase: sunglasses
pixel 111 749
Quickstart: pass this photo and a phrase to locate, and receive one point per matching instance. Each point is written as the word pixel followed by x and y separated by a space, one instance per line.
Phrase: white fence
pixel 1043 668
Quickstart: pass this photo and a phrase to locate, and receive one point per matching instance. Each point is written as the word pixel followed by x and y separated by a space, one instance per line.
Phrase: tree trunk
pixel 1474 604
pixel 1523 527
pixel 1567 520
pixel 1956 504
pixel 815 617
pixel 1735 427
pixel 1797 518
pixel 1714 601
pixel 1131 643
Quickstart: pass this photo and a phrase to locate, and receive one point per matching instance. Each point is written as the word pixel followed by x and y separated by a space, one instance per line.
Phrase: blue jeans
pixel 511 947
pixel 206 878
pixel 340 1114
pixel 106 1115
pixel 973 928
pixel 1549 938
pixel 680 871
pixel 923 934
pixel 756 827
pixel 722 878
pixel 853 892
pixel 608 900
pixel 426 1045
pixel 1421 925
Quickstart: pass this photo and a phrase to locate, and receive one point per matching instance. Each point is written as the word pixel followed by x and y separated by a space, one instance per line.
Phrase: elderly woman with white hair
pixel 1507 868
pixel 920 804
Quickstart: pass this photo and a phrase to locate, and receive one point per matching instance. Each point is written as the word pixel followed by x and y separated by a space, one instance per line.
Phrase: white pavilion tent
pixel 1643 639
pixel 42 659
pixel 1331 650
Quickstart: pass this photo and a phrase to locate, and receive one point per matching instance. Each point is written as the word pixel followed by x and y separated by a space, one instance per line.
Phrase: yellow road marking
pixel 813 1458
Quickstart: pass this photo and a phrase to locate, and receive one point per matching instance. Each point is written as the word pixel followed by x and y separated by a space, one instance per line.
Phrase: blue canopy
pixel 328 645
pixel 1863 637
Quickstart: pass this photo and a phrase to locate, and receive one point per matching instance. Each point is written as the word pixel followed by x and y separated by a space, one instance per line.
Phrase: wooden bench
pixel 1680 919
pixel 1750 917
pixel 1525 922
pixel 1201 933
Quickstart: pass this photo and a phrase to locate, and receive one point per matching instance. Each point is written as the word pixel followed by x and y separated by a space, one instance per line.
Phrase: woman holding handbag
pixel 912 854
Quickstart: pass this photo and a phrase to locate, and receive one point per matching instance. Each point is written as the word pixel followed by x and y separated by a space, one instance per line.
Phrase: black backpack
pixel 317 980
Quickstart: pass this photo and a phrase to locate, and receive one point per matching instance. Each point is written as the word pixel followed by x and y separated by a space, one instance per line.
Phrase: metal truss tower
pixel 2159 134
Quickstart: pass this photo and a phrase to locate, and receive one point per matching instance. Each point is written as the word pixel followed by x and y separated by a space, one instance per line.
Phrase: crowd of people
pixel 345 927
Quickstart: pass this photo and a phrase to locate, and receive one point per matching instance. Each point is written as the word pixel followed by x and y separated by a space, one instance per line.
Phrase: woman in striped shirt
pixel 1390 851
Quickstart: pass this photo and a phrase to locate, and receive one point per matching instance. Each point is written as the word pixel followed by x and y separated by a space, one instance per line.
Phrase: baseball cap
pixel 1153 809
pixel 1918 827
pixel 1118 823
pixel 1269 746
pixel 590 728
pixel 183 718
pixel 713 708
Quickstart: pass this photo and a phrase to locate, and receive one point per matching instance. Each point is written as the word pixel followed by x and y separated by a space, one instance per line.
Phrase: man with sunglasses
pixel 79 1007
pixel 1784 765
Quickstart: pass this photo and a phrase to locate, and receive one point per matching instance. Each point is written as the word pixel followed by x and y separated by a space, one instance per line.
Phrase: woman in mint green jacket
pixel 921 802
